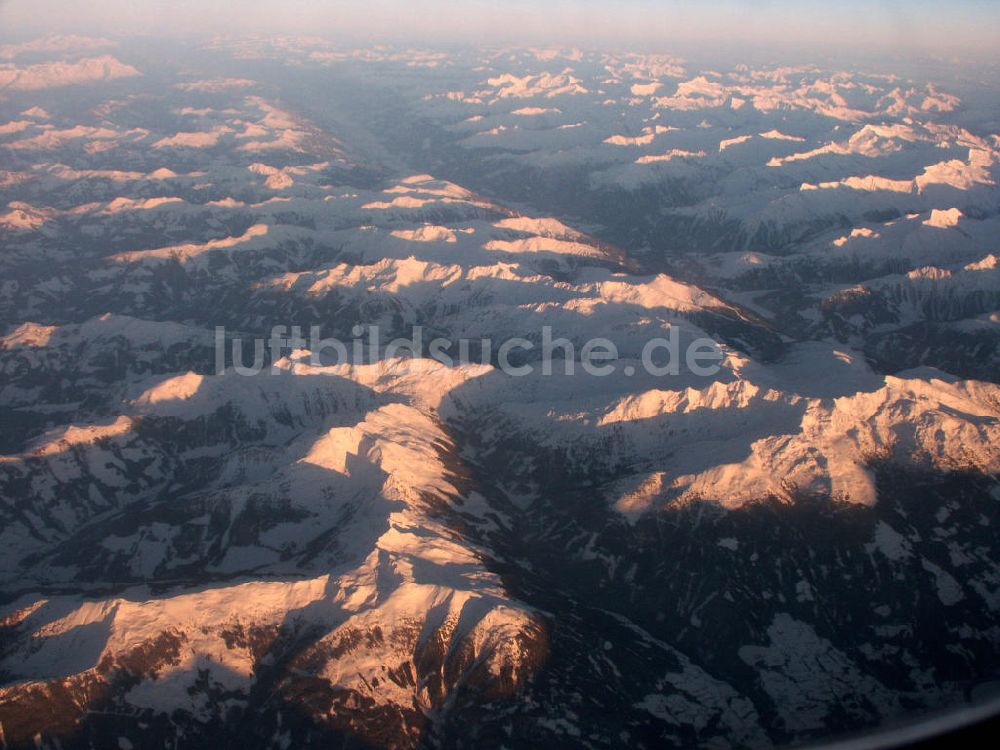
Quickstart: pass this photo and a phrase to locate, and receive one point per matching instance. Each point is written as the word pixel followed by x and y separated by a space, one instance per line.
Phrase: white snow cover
pixel 28 334
pixel 192 139
pixel 757 431
pixel 55 74
pixel 54 43
pixel 545 85
pixel 944 218
pixel 645 89
pixel 391 457
pixel 216 85
pixel 428 233
pixel 727 142
pixel 189 251
pixel 64 438
pixel 668 156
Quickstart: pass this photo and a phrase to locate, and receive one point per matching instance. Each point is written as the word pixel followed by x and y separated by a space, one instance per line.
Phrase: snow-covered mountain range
pixel 400 552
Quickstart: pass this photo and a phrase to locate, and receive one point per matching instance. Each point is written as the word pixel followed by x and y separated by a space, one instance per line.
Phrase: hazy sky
pixel 901 25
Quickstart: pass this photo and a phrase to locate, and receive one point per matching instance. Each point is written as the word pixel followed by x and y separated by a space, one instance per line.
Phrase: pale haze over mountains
pixel 407 547
pixel 968 27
